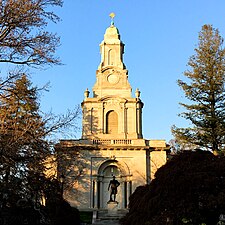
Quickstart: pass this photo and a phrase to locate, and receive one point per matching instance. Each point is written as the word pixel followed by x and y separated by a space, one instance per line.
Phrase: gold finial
pixel 112 15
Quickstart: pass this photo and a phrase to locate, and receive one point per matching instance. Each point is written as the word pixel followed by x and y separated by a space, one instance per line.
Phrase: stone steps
pixel 108 222
pixel 103 217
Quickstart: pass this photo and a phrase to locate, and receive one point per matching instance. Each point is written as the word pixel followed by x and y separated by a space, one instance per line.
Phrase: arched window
pixel 111 57
pixel 111 122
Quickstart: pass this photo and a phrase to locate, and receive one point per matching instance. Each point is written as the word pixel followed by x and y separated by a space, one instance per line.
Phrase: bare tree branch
pixel 23 40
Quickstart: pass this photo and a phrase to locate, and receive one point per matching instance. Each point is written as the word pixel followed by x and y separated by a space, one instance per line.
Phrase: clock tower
pixel 112 112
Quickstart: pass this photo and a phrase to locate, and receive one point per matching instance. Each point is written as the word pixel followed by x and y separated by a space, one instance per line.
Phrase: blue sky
pixel 159 38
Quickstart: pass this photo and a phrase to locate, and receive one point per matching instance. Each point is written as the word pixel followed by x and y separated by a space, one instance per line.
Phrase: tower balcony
pixel 160 144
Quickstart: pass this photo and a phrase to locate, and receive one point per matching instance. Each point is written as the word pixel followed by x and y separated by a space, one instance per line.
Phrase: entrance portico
pixel 100 182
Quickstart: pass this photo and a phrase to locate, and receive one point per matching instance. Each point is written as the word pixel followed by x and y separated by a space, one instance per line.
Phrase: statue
pixel 113 184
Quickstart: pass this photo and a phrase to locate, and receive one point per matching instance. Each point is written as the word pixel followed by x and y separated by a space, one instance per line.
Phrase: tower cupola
pixel 112 112
pixel 112 48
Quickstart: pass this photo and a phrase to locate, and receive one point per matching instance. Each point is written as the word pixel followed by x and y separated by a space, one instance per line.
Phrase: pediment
pixel 113 99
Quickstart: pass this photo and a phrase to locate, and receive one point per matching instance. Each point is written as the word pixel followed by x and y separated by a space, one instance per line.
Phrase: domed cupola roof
pixel 112 33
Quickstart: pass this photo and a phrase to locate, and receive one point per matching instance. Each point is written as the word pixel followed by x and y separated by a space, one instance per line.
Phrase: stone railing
pixel 112 142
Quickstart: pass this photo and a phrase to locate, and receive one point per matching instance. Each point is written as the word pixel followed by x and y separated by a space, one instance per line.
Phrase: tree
pixel 24 146
pixel 188 189
pixel 23 39
pixel 205 91
pixel 26 133
pixel 22 128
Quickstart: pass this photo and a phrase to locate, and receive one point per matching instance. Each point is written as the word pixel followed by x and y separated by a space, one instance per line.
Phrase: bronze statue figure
pixel 113 184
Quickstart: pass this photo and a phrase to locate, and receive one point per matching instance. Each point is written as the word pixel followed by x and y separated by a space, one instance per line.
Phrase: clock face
pixel 113 78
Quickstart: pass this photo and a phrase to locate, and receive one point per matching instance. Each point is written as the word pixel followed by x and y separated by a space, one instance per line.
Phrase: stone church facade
pixel 112 142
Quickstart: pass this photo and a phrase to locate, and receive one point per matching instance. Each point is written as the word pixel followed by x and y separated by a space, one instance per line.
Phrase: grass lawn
pixel 86 216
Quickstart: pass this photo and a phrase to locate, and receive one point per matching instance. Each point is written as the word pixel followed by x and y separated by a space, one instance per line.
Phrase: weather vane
pixel 112 15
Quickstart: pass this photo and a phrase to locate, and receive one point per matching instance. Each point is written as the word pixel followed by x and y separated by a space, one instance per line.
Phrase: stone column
pixel 140 122
pixel 94 194
pixel 103 119
pixel 148 169
pixel 130 188
pixel 91 121
pixel 98 193
pixel 125 122
pixel 125 194
pixel 139 119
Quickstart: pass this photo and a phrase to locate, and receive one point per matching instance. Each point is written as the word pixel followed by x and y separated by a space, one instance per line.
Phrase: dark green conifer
pixel 203 86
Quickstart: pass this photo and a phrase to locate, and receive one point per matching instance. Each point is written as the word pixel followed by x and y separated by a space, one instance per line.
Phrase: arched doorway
pixel 106 171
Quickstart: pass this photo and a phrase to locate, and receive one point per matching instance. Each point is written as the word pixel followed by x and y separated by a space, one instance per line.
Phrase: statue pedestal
pixel 112 208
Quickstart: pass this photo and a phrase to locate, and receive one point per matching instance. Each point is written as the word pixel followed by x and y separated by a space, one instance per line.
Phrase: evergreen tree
pixel 22 132
pixel 204 88
pixel 25 146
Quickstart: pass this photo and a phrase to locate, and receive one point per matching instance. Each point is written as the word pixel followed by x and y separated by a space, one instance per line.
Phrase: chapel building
pixel 112 142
